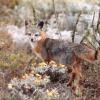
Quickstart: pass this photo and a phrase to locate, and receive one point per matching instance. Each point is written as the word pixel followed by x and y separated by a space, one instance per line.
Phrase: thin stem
pixel 34 13
pixel 56 16
pixel 73 35
pixel 92 25
pixel 97 29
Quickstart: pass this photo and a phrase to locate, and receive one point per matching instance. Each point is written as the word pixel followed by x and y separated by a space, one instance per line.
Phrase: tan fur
pixel 40 43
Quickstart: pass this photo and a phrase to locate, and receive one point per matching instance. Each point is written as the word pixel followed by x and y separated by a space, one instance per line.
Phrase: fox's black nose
pixel 31 40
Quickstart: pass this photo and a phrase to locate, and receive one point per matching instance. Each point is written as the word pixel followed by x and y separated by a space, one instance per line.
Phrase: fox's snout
pixel 32 40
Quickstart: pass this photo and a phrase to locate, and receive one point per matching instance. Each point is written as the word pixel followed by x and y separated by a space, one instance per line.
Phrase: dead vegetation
pixel 25 77
pixel 44 81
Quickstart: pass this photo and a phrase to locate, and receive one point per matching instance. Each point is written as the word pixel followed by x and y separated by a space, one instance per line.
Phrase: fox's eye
pixel 36 34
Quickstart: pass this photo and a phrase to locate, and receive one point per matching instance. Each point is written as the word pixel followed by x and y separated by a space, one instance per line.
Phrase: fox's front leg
pixel 38 56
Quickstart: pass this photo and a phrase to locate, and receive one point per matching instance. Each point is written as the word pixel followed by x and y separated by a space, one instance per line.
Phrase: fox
pixel 62 52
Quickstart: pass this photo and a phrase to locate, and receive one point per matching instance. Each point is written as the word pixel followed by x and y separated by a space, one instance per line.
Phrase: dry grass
pixel 12 62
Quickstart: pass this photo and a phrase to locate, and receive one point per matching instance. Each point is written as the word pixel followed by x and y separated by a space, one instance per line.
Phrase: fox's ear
pixel 41 24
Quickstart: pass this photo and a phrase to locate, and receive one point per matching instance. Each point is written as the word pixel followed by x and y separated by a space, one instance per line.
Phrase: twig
pixel 73 35
pixel 96 40
pixel 92 24
pixel 97 28
pixel 34 13
pixel 56 16
pixel 55 10
pixel 86 35
pixel 91 44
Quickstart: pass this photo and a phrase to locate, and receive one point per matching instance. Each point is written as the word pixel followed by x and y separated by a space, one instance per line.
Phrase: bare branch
pixel 85 36
pixel 56 16
pixel 34 13
pixel 55 10
pixel 92 24
pixel 73 35
pixel 97 28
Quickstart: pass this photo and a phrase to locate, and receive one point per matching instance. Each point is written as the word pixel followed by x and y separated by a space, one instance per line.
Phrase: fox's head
pixel 35 34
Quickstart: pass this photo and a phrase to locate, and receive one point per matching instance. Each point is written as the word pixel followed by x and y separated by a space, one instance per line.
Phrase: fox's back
pixel 64 52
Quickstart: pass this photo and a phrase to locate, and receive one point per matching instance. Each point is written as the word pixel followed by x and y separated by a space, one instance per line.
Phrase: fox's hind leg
pixel 75 70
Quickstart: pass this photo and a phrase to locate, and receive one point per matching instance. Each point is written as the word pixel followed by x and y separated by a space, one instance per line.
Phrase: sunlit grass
pixel 11 60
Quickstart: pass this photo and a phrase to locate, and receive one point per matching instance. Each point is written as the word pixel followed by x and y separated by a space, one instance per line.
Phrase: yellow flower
pixel 49 93
pixel 52 62
pixel 42 64
pixel 38 76
pixel 37 81
pixel 53 93
pixel 61 65
pixel 54 65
